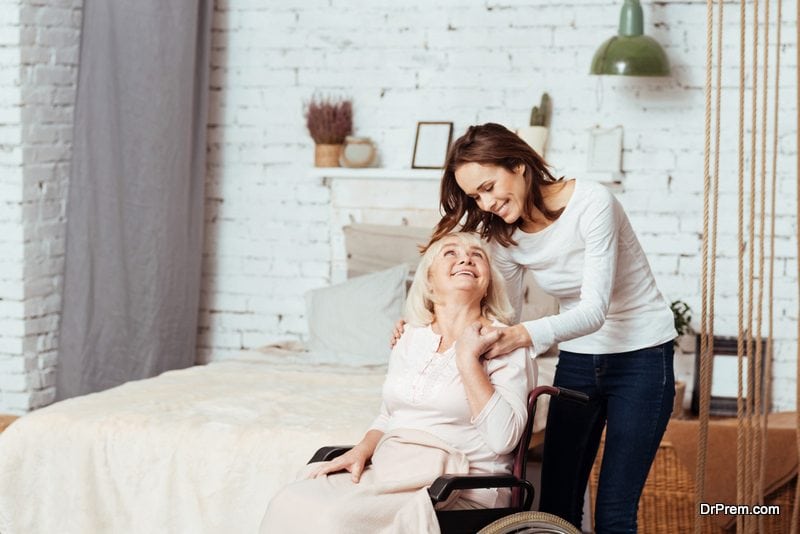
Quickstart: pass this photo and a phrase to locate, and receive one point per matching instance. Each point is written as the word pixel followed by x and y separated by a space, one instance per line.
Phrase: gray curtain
pixel 135 203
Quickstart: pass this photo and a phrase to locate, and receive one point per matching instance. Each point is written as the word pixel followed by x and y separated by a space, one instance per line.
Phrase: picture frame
pixel 724 376
pixel 431 144
pixel 605 150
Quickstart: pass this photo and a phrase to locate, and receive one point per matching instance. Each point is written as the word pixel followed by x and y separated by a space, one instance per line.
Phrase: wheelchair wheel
pixel 530 523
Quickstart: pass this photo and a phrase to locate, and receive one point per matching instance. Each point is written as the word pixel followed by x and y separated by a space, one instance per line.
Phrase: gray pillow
pixel 352 322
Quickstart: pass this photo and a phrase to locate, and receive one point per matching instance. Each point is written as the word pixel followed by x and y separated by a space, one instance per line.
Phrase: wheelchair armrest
pixel 443 486
pixel 329 453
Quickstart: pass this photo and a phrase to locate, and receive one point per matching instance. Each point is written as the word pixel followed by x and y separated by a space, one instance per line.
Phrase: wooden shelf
pixel 376 173
pixel 611 180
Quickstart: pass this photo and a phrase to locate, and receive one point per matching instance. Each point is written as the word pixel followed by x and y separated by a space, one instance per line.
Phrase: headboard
pixel 374 247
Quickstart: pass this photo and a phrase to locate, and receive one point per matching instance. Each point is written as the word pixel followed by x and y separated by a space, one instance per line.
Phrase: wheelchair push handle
pixel 564 393
pixel 572 395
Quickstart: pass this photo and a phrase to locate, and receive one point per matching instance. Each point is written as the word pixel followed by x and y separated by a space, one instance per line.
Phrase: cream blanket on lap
pixel 391 497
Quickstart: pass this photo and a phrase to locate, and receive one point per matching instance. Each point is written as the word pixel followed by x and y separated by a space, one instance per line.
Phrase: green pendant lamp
pixel 630 52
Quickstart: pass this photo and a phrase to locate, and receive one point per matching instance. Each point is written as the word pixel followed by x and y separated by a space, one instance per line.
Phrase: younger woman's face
pixel 494 189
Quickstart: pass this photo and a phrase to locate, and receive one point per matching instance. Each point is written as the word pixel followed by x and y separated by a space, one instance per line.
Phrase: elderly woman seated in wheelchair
pixel 445 411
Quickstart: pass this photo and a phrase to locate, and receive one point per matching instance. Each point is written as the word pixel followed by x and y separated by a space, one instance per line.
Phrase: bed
pixel 203 449
pixel 196 450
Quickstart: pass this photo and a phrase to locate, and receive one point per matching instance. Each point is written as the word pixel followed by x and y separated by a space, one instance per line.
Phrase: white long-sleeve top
pixel 423 390
pixel 591 261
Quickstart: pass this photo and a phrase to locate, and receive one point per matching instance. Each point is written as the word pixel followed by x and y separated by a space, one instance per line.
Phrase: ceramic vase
pixel 535 136
pixel 357 152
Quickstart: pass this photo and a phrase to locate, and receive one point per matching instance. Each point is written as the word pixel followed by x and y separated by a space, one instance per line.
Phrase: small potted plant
pixel 329 122
pixel 536 133
pixel 683 344
pixel 682 314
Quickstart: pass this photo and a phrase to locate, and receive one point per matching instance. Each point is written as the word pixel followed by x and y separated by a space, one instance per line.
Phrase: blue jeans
pixel 631 394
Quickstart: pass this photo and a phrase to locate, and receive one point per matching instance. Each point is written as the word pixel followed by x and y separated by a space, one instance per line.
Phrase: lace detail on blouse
pixel 424 371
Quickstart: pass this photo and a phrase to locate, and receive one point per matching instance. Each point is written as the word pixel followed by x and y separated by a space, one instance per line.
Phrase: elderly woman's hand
pixel 397 332
pixel 353 461
pixel 510 339
pixel 476 340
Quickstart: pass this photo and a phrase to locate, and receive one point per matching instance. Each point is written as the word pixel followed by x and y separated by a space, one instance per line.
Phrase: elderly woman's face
pixel 494 189
pixel 459 266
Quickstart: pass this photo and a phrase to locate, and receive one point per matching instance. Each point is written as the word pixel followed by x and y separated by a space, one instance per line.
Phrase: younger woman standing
pixel 614 328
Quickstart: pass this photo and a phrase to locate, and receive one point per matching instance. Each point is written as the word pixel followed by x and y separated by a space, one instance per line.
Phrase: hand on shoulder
pixel 510 338
pixel 397 333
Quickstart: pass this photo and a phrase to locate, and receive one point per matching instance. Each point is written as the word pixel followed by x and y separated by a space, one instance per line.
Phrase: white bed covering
pixel 199 450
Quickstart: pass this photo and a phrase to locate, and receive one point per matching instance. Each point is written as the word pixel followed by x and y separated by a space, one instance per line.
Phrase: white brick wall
pixel 13 367
pixel 267 220
pixel 39 41
pixel 50 49
pixel 466 62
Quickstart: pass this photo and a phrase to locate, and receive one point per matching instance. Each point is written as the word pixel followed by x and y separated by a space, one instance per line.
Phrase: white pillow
pixel 352 322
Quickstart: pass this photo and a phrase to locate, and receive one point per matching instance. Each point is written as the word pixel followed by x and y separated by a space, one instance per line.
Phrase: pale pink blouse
pixel 423 390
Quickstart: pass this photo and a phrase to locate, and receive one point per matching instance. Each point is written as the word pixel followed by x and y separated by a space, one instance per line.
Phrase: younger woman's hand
pixel 353 461
pixel 397 332
pixel 510 339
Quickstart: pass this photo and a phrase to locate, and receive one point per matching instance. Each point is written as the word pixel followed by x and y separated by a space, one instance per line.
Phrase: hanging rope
pixel 706 329
pixel 796 511
pixel 759 440
pixel 740 452
pixel 753 395
pixel 759 426
pixel 715 212
pixel 771 308
pixel 748 393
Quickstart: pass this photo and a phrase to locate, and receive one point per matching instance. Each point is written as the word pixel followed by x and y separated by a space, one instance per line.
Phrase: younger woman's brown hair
pixel 490 144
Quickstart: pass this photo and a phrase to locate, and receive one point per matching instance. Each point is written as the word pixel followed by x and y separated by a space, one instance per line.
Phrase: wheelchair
pixel 516 518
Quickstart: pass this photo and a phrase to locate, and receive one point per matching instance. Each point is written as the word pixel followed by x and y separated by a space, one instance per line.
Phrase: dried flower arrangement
pixel 329 121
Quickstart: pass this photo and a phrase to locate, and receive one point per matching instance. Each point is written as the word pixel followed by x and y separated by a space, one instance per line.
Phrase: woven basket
pixel 667 505
pixel 327 155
